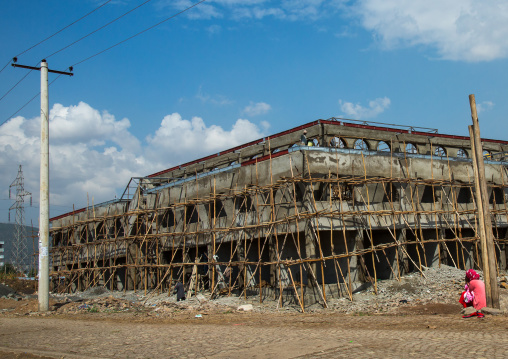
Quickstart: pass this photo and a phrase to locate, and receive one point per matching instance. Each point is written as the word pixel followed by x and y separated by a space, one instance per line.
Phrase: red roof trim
pixel 295 129
pixel 67 214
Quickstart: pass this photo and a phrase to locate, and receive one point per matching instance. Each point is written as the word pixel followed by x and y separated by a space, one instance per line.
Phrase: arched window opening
pixel 461 153
pixel 440 151
pixel 383 146
pixel 337 142
pixel 411 148
pixel 361 145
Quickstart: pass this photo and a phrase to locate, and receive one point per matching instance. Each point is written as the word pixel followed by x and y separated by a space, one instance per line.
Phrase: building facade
pixel 284 219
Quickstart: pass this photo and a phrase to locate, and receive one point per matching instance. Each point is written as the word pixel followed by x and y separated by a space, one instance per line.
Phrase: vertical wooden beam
pixel 486 235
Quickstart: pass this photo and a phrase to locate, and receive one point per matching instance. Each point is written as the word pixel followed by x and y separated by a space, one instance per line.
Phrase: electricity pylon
pixel 19 244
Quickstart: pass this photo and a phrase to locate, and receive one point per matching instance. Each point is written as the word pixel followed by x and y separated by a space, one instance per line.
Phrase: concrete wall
pixel 313 213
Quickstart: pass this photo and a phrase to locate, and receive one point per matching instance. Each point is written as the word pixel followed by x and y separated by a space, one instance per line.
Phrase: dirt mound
pixel 6 290
pixel 24 286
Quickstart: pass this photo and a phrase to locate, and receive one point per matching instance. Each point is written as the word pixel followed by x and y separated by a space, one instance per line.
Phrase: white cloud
pixel 484 106
pixel 458 30
pixel 218 100
pixel 214 29
pixel 292 10
pixel 188 139
pixel 79 161
pixel 461 30
pixel 256 109
pixel 357 111
pixel 93 153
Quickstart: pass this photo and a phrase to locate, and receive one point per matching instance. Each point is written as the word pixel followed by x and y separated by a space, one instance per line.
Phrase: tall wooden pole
pixel 485 222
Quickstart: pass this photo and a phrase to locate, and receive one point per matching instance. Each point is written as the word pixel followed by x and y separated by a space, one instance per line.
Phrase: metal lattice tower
pixel 19 245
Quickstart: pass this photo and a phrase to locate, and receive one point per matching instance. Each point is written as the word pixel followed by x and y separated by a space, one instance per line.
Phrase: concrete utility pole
pixel 44 182
pixel 484 219
pixel 44 194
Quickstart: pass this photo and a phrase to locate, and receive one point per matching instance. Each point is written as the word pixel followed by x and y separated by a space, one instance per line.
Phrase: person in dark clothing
pixel 303 138
pixel 180 293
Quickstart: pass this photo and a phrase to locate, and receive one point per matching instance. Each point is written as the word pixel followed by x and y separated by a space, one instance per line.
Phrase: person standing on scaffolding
pixel 305 140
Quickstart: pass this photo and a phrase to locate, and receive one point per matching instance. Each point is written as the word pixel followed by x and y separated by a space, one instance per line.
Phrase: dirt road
pixel 256 335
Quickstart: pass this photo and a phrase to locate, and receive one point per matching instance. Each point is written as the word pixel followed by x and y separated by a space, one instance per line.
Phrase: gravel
pixel 434 286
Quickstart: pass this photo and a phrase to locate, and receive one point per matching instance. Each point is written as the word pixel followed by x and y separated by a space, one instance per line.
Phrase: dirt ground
pixel 435 330
pixel 411 318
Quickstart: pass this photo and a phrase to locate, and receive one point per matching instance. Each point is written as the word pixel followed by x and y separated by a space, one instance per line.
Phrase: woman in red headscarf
pixel 474 293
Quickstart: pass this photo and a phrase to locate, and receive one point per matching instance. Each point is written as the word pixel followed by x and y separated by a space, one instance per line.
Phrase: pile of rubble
pixel 434 285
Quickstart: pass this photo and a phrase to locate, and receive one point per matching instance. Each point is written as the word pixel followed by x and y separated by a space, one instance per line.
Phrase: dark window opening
pixel 391 193
pixel 321 193
pixel 57 239
pixel 101 232
pixel 120 232
pixel 244 204
pixel 219 210
pixel 343 191
pixel 428 195
pixel 497 196
pixel 168 218
pixel 299 191
pixel 464 195
pixel 83 235
pixel 191 214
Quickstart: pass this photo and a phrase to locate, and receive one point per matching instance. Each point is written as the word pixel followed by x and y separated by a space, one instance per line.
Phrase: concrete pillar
pixel 402 251
pixel 361 268
pixel 311 252
pixel 240 257
pixel 209 253
pixel 503 256
pixel 130 271
pixel 272 252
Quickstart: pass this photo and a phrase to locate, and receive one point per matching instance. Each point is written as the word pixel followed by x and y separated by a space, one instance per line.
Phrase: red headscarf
pixel 472 275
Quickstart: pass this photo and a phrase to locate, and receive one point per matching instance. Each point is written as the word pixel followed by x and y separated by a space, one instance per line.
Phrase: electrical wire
pixel 107 49
pixel 17 83
pixel 100 28
pixel 7 64
pixel 56 33
pixel 26 104
pixel 139 33
pixel 59 31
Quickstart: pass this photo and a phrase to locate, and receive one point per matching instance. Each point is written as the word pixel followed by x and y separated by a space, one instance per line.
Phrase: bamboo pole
pixel 486 237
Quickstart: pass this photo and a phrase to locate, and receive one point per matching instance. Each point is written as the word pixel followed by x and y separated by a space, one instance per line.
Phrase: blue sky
pixel 230 71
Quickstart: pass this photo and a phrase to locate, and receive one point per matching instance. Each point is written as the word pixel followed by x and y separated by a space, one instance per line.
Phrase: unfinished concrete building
pixel 280 219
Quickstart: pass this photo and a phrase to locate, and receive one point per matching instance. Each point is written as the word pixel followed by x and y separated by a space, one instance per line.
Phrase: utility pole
pixel 43 292
pixel 19 247
pixel 485 222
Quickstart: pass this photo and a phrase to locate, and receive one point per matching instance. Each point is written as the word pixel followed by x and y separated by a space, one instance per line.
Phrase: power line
pixel 139 33
pixel 107 49
pixel 59 31
pixel 56 33
pixel 100 28
pixel 17 83
pixel 7 64
pixel 26 104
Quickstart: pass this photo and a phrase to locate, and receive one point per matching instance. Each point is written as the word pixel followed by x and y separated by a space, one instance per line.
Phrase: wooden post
pixel 486 235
